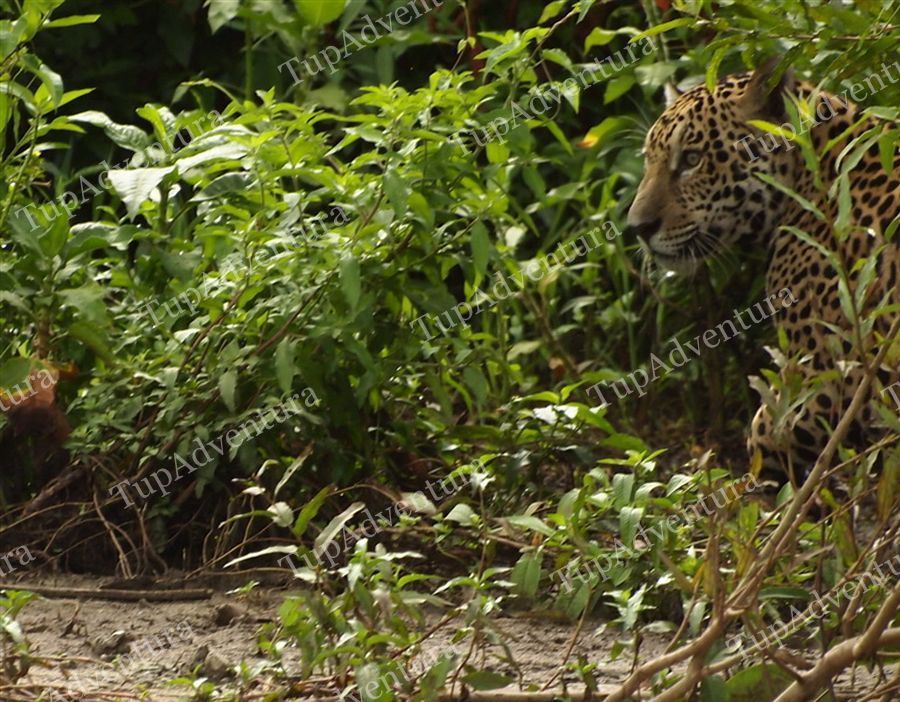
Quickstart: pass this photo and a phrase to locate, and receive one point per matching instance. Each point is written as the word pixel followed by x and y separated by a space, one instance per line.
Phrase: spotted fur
pixel 699 197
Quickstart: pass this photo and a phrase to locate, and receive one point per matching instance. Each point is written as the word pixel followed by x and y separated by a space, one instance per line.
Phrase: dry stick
pixel 575 636
pixel 577 695
pixel 147 546
pixel 832 663
pixel 19 688
pixel 886 689
pixel 573 695
pixel 848 616
pixel 686 620
pixel 695 671
pixel 785 630
pixel 699 645
pixel 123 559
pixel 87 593
pixel 868 642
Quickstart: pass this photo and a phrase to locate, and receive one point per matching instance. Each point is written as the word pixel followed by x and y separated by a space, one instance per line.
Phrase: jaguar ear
pixel 764 94
pixel 672 93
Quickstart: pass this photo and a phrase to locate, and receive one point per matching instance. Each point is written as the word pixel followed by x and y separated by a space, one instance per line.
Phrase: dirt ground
pixel 132 650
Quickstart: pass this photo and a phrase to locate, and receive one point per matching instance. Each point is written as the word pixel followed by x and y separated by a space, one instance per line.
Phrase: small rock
pixel 112 644
pixel 199 656
pixel 227 613
pixel 216 667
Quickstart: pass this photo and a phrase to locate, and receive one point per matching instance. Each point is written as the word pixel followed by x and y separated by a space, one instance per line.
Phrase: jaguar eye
pixel 691 159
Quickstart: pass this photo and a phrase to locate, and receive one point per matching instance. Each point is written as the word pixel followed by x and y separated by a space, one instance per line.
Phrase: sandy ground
pixel 132 650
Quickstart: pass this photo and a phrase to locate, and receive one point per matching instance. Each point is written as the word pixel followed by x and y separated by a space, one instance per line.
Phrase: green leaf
pixel 665 27
pixel 285 368
pixel 461 514
pixel 713 65
pixel 72 95
pixel 887 149
pixel 623 486
pixel 784 593
pixel 14 372
pixel 319 12
pixel 774 129
pixel 523 348
pixel 134 186
pixel 350 280
pixel 268 551
pixel 574 604
pixel 226 184
pixel 892 228
pixel 72 21
pixel 89 236
pixel 845 206
pixel 713 689
pixel 24 225
pixel 15 300
pixel 526 574
pixel 759 682
pixel 486 680
pixel 629 519
pixel 598 37
pixel 552 10
pixel 598 135
pixel 530 522
pixel 804 203
pixel 372 685
pixel 292 469
pixel 310 510
pixel 559 57
pixel 417 502
pixel 227 387
pixel 155 117
pixel 50 80
pixel 43 7
pixel 221 12
pixel 497 152
pixel 88 301
pixel 397 191
pixel 617 87
pixel 481 248
pixel 335 525
pixel 54 237
pixel 655 74
pixel 88 335
pixel 125 135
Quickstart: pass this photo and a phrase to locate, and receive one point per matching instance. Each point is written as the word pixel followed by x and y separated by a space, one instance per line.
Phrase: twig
pixel 833 662
pixel 86 593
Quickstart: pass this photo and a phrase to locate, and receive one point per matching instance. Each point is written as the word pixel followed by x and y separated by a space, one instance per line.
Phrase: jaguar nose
pixel 644 230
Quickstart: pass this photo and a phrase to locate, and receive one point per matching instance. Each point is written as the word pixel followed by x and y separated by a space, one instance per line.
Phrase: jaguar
pixel 716 179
